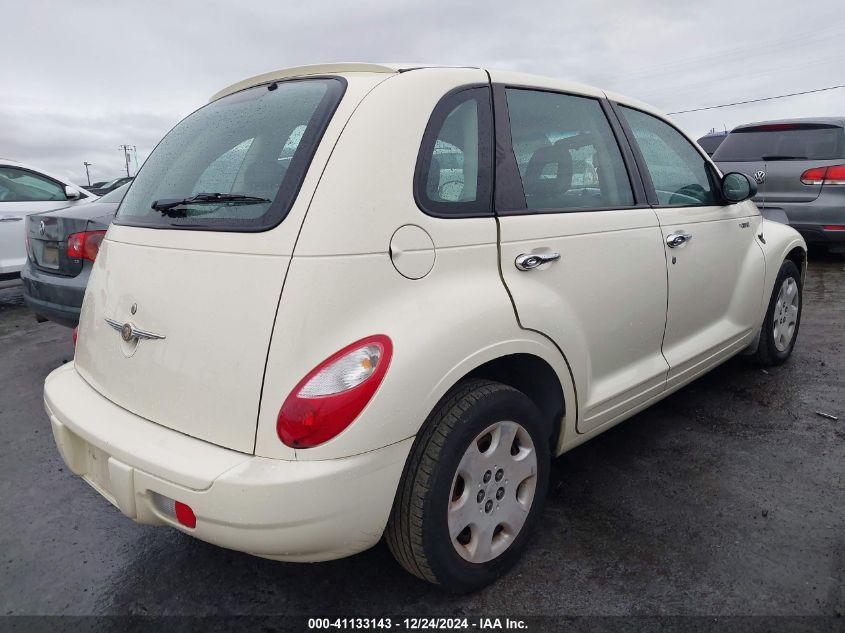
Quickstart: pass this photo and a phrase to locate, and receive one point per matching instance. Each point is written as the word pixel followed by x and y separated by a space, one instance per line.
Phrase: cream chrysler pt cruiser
pixel 354 300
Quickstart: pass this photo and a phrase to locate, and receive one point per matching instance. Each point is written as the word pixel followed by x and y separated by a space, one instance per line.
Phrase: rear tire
pixel 783 317
pixel 481 459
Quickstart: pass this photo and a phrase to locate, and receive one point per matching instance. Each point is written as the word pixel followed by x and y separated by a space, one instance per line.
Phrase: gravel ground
pixel 726 499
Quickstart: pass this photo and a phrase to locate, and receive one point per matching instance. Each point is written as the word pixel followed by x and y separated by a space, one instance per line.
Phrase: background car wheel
pixel 473 487
pixel 783 317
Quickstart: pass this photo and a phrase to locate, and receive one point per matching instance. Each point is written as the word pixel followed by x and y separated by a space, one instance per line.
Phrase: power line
pixel 727 105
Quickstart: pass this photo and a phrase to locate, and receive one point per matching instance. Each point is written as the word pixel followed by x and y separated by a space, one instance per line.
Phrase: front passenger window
pixel 678 171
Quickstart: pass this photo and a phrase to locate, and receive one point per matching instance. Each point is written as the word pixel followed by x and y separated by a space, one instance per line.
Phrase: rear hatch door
pixel 181 304
pixel 776 154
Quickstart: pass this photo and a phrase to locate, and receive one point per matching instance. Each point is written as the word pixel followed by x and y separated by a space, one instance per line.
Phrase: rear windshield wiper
pixel 777 157
pixel 165 204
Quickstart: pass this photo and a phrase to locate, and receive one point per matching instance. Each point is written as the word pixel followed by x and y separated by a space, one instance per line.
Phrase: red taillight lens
pixel 814 176
pixel 332 395
pixel 75 335
pixel 85 245
pixel 185 515
pixel 833 175
pixel 834 227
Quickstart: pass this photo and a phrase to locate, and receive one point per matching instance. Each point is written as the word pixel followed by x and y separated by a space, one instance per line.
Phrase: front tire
pixel 473 487
pixel 783 317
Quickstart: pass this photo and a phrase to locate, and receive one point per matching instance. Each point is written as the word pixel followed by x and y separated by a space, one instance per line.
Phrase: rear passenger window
pixel 455 162
pixel 678 171
pixel 567 155
pixel 20 185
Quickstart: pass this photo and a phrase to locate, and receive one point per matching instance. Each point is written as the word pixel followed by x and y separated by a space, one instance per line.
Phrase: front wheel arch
pixel 798 256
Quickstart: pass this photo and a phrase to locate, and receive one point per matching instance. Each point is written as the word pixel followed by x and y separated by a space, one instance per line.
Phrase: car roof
pixel 500 76
pixel 838 121
pixel 313 69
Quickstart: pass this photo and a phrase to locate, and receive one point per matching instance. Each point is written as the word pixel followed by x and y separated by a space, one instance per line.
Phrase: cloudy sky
pixel 81 78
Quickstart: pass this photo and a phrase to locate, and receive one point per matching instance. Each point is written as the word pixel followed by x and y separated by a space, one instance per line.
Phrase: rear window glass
pixel 782 142
pixel 710 143
pixel 115 195
pixel 255 144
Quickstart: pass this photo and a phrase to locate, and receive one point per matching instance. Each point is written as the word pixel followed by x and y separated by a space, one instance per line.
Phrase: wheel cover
pixel 785 316
pixel 492 492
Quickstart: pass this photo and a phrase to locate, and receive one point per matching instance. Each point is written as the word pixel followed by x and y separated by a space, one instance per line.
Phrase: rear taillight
pixel 84 245
pixel 834 227
pixel 334 393
pixel 833 175
pixel 75 335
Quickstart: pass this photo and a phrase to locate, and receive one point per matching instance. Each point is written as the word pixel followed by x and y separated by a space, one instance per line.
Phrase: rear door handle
pixel 10 218
pixel 532 261
pixel 678 239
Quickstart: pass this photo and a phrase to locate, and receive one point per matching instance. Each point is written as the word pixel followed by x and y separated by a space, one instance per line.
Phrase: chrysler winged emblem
pixel 760 177
pixel 129 332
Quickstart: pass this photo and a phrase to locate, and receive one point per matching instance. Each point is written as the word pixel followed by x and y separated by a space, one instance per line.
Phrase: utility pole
pixel 126 149
pixel 87 175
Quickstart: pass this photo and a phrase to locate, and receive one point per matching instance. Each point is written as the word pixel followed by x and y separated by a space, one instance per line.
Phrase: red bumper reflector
pixel 185 515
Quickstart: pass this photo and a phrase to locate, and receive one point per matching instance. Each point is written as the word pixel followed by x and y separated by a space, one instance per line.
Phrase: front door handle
pixel 532 261
pixel 678 239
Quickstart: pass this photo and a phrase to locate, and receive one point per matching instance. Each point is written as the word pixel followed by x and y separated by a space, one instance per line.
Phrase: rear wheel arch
pixel 534 377
pixel 416 533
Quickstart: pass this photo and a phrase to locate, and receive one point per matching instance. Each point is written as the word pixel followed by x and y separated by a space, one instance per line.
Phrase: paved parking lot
pixel 725 499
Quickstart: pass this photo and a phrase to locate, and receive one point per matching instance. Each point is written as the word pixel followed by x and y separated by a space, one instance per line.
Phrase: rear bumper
pixel 818 235
pixel 810 218
pixel 286 510
pixel 55 297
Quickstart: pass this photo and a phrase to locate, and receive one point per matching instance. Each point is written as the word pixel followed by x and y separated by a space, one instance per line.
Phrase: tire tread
pixel 766 355
pixel 404 532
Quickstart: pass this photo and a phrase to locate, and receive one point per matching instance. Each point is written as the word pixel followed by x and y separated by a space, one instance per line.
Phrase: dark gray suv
pixel 799 167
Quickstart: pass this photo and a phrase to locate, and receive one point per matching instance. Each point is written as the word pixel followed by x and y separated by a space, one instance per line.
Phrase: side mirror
pixel 737 187
pixel 71 193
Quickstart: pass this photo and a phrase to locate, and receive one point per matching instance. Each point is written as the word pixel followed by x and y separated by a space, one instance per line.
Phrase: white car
pixel 293 358
pixel 25 190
